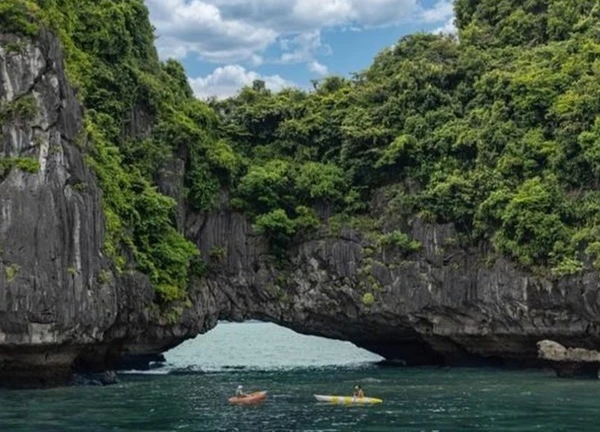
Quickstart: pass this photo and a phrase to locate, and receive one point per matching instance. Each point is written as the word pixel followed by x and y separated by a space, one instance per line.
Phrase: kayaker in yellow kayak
pixel 358 392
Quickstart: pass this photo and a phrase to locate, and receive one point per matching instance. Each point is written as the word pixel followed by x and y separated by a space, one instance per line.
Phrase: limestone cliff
pixel 62 306
pixel 443 305
pixel 60 302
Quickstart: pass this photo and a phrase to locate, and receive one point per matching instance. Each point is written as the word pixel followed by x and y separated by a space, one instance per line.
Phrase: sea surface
pixel 190 393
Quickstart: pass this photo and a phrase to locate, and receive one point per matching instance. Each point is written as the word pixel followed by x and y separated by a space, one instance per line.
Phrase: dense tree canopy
pixel 498 133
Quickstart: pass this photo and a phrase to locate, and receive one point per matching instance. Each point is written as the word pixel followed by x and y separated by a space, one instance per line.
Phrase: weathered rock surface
pixel 569 362
pixel 443 305
pixel 60 304
pixel 62 308
pixel 51 224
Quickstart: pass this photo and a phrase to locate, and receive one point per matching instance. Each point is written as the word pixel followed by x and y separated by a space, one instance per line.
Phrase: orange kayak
pixel 250 398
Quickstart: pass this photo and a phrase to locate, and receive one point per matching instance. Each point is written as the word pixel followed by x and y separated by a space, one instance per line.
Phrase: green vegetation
pixel 218 253
pixel 22 109
pixel 14 47
pixel 18 16
pixel 26 164
pixel 499 134
pixel 368 299
pixel 11 272
pixel 110 57
pixel 104 277
pixel 399 240
pixel 500 23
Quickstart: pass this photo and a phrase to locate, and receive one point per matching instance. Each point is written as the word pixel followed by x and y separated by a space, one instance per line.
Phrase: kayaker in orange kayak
pixel 247 398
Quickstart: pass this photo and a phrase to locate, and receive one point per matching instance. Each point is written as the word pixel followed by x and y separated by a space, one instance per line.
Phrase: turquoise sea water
pixel 292 368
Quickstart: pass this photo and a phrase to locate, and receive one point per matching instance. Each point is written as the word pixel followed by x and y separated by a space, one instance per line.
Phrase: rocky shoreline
pixel 570 362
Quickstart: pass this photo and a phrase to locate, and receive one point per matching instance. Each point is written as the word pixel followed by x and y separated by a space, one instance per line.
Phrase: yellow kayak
pixel 347 400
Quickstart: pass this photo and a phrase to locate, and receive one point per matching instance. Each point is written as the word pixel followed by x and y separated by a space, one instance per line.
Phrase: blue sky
pixel 226 44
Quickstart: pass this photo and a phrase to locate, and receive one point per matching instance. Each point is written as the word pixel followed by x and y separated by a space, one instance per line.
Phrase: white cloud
pixel 318 68
pixel 442 11
pixel 240 31
pixel 256 60
pixel 321 13
pixel 226 81
pixel 375 13
pixel 303 48
pixel 200 27
pixel 248 33
pixel 448 28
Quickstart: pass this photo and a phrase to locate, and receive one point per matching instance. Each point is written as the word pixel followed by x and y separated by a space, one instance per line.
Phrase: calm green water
pixel 414 399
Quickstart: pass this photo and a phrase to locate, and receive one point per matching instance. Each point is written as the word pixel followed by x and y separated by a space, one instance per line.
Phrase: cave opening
pixel 262 346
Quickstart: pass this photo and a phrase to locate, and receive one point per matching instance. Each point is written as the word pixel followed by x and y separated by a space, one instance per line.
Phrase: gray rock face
pixel 51 224
pixel 553 351
pixel 569 362
pixel 60 303
pixel 61 306
pixel 443 305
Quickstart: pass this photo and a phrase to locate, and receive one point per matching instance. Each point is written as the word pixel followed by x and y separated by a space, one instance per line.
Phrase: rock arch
pixel 59 308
